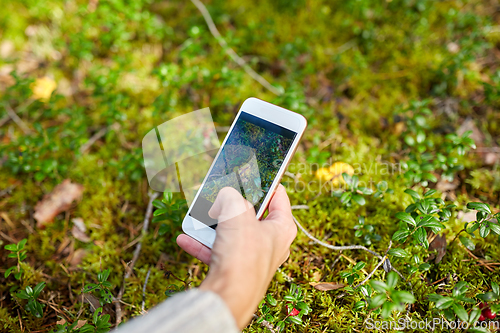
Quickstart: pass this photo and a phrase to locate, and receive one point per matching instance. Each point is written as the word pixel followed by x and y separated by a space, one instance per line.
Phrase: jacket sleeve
pixel 192 311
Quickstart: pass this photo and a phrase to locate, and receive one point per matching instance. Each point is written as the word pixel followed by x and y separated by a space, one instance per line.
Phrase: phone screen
pixel 249 162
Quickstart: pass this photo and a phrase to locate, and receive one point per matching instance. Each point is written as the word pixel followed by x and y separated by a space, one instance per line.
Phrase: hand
pixel 246 252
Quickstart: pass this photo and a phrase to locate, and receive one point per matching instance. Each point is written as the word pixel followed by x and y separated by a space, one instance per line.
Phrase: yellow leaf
pixel 42 88
pixel 334 173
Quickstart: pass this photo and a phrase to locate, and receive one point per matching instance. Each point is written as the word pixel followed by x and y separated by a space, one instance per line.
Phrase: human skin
pixel 246 252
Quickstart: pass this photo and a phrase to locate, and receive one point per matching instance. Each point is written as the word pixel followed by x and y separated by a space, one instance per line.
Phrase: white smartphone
pixel 252 159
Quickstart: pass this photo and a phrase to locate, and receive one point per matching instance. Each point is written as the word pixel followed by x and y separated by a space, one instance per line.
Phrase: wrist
pixel 241 295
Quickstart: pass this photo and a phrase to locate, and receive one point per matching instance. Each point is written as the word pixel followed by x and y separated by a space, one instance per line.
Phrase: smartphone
pixel 252 159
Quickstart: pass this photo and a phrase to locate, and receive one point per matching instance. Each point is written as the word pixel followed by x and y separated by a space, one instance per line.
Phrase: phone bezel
pixel 269 112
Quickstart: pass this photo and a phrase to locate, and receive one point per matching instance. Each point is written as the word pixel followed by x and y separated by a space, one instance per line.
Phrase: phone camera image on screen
pixel 248 162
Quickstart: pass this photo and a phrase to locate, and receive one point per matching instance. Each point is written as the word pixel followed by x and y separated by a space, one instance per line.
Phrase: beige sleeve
pixel 192 311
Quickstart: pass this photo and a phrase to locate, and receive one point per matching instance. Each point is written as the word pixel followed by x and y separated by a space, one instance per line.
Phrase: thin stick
pixel 230 52
pixel 137 251
pixel 12 114
pixel 144 289
pixel 300 207
pixel 102 132
pixel 332 247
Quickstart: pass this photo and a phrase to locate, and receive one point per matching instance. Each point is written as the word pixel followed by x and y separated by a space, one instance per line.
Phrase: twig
pixel 332 247
pixel 266 324
pixel 144 289
pixel 230 52
pixel 102 132
pixel 7 237
pixel 12 114
pixel 300 207
pixel 376 267
pixel 137 251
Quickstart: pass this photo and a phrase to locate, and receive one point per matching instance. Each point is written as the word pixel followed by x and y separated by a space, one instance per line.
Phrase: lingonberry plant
pixel 290 310
pixel 102 288
pixel 424 212
pixel 18 252
pixel 485 222
pixel 387 297
pixel 168 209
pixel 31 295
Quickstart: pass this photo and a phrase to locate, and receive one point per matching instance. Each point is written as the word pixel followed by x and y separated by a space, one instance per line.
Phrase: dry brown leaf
pixel 77 257
pixel 80 324
pixel 79 230
pixel 90 299
pixel 80 235
pixel 325 286
pixel 57 201
pixel 439 243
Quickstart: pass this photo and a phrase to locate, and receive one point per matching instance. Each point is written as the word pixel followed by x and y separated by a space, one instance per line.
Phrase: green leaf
pixel 379 286
pixel 495 288
pixel 398 253
pixel 484 231
pixel 406 217
pixel 159 204
pixel 387 309
pixel 420 236
pixel 167 195
pixel 295 320
pixel 474 315
pixel 479 206
pixel 400 235
pixel 21 244
pixel 429 193
pixel 495 228
pixel 467 243
pixel 38 289
pixel 345 197
pixel 460 288
pixel 9 271
pixel 160 212
pixel 270 299
pixel 360 265
pixel 11 247
pixel 488 296
pixel 410 141
pixel 377 301
pixel 406 297
pixel 413 194
pixel 460 312
pixel 392 280
pixel 23 294
pixel 360 200
pixel 444 303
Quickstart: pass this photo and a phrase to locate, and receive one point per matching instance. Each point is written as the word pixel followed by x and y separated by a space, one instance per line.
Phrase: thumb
pixel 229 204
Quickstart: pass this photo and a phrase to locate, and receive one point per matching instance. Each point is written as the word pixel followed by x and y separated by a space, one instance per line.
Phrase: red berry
pixel 487 313
pixel 483 305
pixel 294 311
pixel 481 317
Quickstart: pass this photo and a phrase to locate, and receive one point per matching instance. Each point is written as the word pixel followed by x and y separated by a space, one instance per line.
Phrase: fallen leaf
pixel 334 173
pixel 42 88
pixel 91 300
pixel 79 230
pixel 77 257
pixel 466 217
pixel 439 243
pixel 57 201
pixel 325 286
pixel 80 235
pixel 80 324
pixel 61 322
